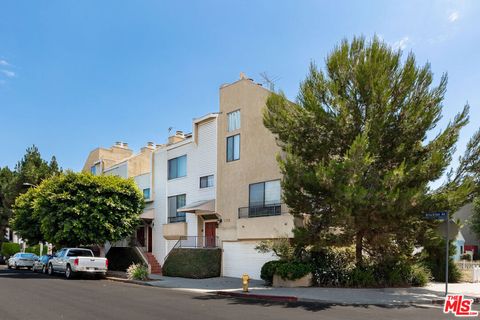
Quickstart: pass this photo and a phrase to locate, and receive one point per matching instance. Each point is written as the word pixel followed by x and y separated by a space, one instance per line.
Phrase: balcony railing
pixel 179 218
pixel 262 211
pixel 197 242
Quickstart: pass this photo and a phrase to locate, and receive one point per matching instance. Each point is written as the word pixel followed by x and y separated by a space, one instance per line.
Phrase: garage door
pixel 241 257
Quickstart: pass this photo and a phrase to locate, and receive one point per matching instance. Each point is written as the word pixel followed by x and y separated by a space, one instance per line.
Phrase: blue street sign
pixel 442 215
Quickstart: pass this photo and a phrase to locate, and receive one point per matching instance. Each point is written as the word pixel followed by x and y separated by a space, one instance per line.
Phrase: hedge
pixel 9 249
pixel 193 263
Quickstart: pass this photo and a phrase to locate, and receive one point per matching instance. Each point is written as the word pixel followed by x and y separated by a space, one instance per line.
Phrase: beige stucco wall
pixel 265 227
pixel 109 157
pixel 257 162
pixel 173 231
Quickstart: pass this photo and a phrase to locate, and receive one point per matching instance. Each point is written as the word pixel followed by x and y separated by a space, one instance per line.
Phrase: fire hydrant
pixel 245 280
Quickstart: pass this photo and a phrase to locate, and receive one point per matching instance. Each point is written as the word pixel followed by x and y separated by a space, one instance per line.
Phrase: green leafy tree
pixel 358 152
pixel 29 171
pixel 76 209
pixel 26 222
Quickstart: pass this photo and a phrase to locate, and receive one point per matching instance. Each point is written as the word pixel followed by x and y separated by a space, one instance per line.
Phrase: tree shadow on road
pixel 305 305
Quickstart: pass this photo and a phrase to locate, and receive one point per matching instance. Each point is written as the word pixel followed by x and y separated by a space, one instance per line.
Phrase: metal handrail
pixel 262 210
pixel 195 242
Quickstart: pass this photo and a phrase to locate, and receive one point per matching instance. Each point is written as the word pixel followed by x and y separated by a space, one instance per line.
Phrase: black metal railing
pixel 262 211
pixel 178 218
pixel 197 242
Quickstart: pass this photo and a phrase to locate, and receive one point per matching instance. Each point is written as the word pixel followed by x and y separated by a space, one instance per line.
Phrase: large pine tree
pixel 359 151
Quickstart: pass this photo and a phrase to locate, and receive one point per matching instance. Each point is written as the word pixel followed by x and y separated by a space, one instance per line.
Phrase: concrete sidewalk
pixel 433 293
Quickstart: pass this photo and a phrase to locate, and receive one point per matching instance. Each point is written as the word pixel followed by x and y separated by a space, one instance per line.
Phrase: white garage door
pixel 241 257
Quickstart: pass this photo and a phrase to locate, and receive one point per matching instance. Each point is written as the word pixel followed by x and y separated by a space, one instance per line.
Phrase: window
pixel 264 199
pixel 177 167
pixel 146 193
pixel 233 148
pixel 233 120
pixel 206 181
pixel 93 170
pixel 174 203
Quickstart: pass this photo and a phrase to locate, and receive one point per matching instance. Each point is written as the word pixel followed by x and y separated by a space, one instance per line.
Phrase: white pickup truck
pixel 72 261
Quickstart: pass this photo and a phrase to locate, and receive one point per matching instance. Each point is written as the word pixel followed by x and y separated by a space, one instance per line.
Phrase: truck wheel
pixel 50 270
pixel 68 272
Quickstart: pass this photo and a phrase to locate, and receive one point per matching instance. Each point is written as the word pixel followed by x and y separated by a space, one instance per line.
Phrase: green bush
pixel 420 275
pixel 193 263
pixel 293 270
pixel 9 249
pixel 466 256
pixel 332 267
pixel 137 272
pixel 268 270
pixel 363 278
pixel 36 249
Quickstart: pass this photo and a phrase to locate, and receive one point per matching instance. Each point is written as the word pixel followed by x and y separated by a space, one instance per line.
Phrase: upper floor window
pixel 177 167
pixel 146 193
pixel 175 203
pixel 233 120
pixel 233 148
pixel 93 170
pixel 265 194
pixel 206 181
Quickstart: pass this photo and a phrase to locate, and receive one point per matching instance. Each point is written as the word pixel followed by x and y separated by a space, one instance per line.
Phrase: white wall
pixel 201 161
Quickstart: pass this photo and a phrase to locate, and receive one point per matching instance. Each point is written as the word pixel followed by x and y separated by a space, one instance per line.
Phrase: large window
pixel 206 181
pixel 264 199
pixel 175 203
pixel 233 148
pixel 233 120
pixel 177 167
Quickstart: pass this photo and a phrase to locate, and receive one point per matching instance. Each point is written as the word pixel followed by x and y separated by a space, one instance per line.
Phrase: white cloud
pixel 402 43
pixel 453 16
pixel 3 62
pixel 8 73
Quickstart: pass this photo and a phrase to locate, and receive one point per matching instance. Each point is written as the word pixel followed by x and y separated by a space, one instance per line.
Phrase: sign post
pixel 443 215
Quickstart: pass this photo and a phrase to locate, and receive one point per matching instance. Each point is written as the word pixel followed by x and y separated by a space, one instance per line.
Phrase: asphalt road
pixel 26 295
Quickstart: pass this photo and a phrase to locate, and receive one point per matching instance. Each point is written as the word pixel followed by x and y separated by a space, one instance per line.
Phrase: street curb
pixel 258 296
pixel 141 283
pixel 275 298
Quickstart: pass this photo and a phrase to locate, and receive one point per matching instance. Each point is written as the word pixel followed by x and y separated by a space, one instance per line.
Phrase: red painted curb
pixel 258 296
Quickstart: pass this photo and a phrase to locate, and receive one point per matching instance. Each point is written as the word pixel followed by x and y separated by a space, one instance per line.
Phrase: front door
pixel 149 249
pixel 210 234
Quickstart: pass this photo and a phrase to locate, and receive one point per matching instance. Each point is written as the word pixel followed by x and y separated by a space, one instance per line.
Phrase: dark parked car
pixel 41 264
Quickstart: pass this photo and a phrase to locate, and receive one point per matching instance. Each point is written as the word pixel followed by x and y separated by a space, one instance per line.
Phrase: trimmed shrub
pixel 268 270
pixel 9 249
pixel 362 278
pixel 332 267
pixel 119 259
pixel 193 263
pixel 293 270
pixel 137 272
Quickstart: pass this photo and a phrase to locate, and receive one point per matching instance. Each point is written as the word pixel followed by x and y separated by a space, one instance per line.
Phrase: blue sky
pixel 75 75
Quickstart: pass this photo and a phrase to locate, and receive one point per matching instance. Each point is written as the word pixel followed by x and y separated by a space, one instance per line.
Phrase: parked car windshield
pixel 27 256
pixel 80 253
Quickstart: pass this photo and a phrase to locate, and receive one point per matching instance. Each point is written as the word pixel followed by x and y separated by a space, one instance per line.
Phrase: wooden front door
pixel 149 247
pixel 210 234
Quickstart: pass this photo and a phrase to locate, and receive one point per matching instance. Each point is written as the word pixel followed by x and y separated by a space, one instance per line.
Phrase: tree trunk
pixel 359 249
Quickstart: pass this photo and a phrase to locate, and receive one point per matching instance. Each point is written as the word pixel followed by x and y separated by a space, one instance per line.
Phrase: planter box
pixel 305 281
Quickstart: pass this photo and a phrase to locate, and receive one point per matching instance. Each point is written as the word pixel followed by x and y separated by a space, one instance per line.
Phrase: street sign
pixel 441 215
